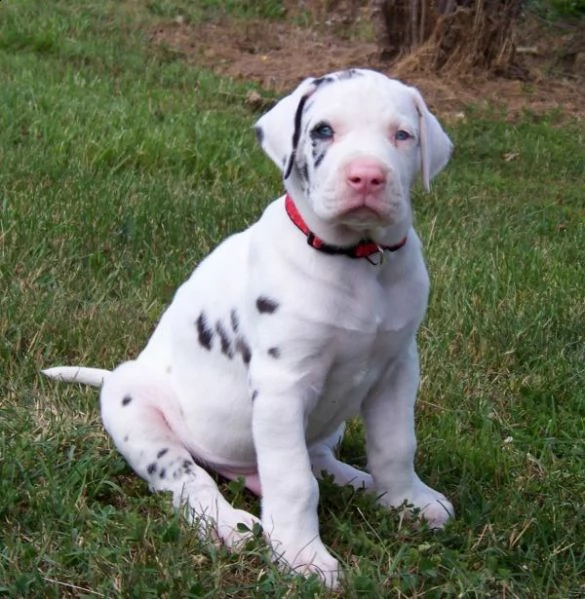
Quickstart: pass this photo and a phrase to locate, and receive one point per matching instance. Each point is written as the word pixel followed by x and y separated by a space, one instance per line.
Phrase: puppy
pixel 286 330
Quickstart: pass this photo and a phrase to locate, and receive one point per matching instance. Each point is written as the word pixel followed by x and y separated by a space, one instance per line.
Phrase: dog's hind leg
pixel 323 461
pixel 141 413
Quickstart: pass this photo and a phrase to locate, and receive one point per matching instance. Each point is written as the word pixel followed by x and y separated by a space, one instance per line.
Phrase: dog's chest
pixel 359 362
pixel 374 326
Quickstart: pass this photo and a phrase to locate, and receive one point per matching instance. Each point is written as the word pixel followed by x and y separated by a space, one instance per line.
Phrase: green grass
pixel 120 168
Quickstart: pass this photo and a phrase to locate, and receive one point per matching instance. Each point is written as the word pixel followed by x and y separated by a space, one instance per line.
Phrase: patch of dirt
pixel 278 55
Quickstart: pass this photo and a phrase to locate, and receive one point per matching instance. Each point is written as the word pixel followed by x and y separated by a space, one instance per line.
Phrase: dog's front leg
pixel 290 492
pixel 391 443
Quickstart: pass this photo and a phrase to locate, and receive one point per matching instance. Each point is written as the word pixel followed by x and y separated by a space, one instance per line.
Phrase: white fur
pixel 339 341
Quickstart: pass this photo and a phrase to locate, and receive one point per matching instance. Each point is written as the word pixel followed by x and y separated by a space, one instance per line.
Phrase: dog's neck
pixel 343 236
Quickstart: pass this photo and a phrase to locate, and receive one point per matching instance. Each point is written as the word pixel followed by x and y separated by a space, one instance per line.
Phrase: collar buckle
pixel 376 259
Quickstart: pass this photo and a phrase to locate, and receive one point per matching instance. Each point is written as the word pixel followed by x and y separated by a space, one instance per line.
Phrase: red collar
pixel 364 249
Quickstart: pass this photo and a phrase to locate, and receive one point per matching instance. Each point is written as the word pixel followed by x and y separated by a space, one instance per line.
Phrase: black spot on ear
pixel 274 352
pixel 162 473
pixel 243 348
pixel 126 400
pixel 259 134
pixel 151 469
pixel 296 133
pixel 225 344
pixel 204 333
pixel 235 321
pixel 266 305
pixel 254 394
pixel 162 452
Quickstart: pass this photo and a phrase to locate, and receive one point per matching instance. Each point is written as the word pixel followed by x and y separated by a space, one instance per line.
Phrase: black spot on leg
pixel 243 348
pixel 235 321
pixel 204 333
pixel 259 134
pixel 126 400
pixel 162 473
pixel 162 452
pixel 254 394
pixel 225 344
pixel 151 468
pixel 274 352
pixel 266 305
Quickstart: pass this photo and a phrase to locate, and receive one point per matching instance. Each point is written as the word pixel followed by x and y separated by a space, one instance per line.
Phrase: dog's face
pixel 351 144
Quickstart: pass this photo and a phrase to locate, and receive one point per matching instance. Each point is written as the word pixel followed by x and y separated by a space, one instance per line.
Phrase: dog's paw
pixel 430 505
pixel 215 518
pixel 307 560
pixel 236 527
pixel 434 507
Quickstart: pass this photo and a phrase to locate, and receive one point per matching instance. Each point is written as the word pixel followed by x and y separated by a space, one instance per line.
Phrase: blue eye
pixel 402 135
pixel 322 131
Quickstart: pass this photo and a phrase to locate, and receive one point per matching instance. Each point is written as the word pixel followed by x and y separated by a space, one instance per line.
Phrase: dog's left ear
pixel 278 131
pixel 435 145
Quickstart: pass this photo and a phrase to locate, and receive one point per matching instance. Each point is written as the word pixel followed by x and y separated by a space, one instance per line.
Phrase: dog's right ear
pixel 279 130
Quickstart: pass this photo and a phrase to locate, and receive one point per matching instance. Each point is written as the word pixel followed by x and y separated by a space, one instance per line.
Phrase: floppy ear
pixel 435 145
pixel 278 131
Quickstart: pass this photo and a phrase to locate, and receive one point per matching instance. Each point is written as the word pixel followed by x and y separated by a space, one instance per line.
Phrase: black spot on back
pixel 204 333
pixel 162 473
pixel 266 305
pixel 235 321
pixel 126 400
pixel 243 348
pixel 162 452
pixel 274 352
pixel 225 344
pixel 151 468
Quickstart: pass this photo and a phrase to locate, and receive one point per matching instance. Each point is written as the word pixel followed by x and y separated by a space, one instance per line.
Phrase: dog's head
pixel 350 145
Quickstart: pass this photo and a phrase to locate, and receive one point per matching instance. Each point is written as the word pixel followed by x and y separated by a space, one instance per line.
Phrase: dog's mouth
pixel 363 213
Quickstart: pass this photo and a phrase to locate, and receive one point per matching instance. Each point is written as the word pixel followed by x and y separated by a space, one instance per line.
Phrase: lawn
pixel 121 166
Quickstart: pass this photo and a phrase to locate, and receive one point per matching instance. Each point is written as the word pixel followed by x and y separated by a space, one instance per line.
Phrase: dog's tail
pixel 77 374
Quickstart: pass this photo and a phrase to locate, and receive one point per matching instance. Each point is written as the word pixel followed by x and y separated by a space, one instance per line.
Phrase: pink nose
pixel 365 176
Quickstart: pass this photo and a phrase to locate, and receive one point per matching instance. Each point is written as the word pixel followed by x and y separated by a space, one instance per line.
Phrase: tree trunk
pixel 447 35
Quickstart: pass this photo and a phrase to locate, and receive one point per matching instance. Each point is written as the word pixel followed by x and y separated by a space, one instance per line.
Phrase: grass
pixel 120 168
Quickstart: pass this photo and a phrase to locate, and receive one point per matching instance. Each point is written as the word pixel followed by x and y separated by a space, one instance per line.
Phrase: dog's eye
pixel 402 135
pixel 322 131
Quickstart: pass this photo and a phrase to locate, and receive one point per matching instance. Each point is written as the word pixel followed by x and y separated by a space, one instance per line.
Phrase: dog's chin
pixel 362 218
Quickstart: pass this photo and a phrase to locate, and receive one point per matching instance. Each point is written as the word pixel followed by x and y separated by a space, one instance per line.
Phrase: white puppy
pixel 288 329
